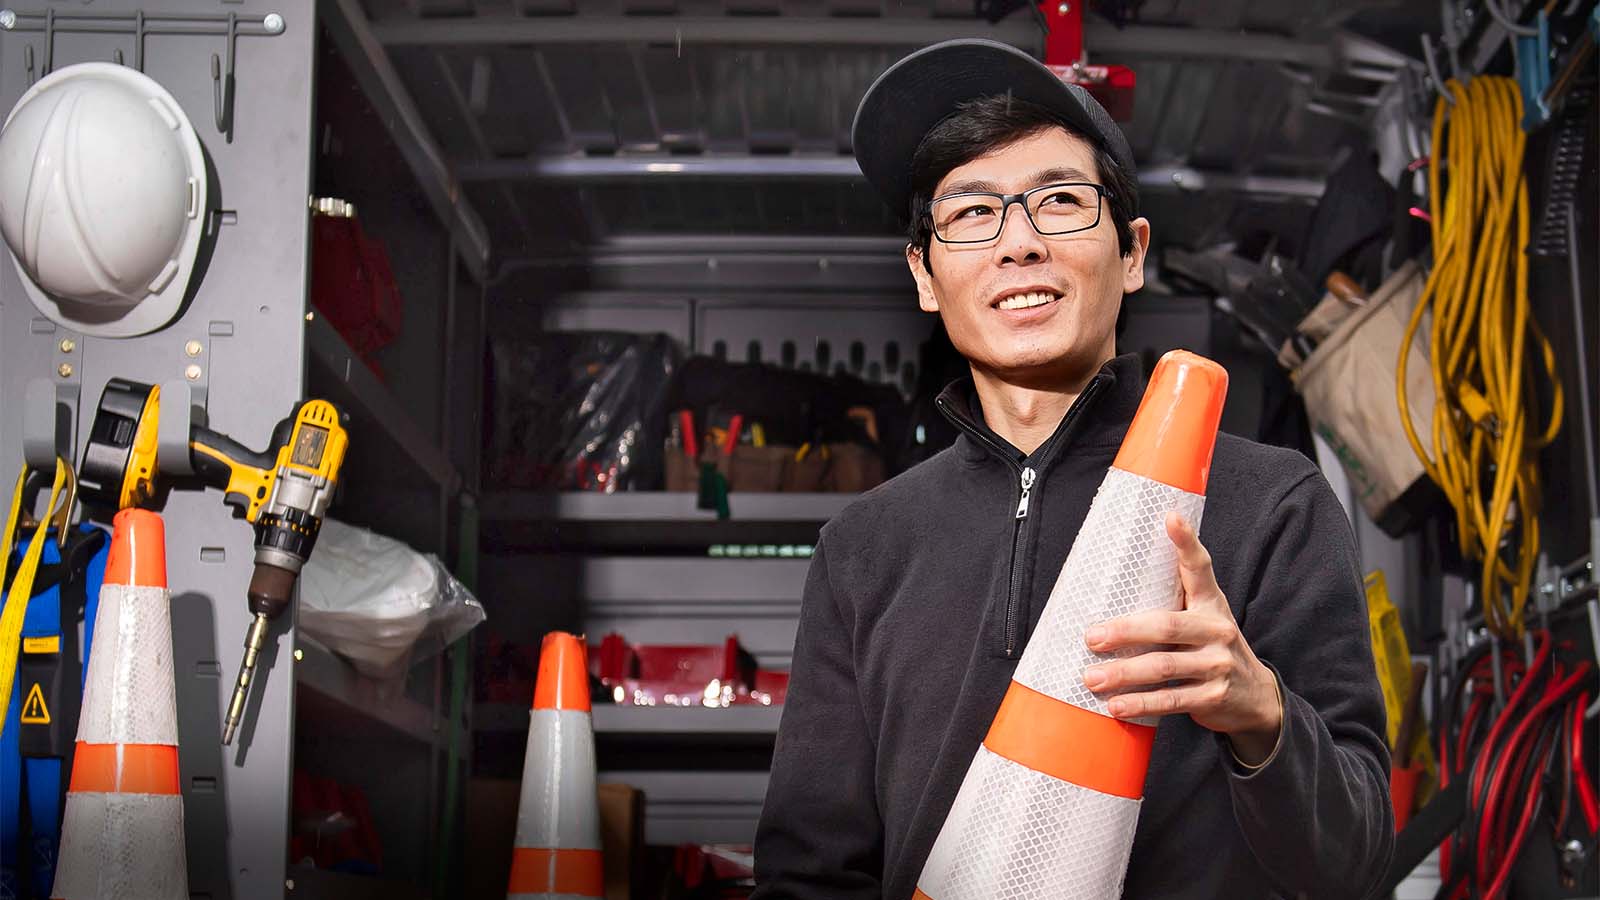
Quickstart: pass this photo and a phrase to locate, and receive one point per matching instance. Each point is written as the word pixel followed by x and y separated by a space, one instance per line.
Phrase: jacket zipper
pixel 1014 594
pixel 1027 479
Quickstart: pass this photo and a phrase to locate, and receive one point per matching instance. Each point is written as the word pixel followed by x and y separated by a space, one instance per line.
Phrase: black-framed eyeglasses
pixel 974 217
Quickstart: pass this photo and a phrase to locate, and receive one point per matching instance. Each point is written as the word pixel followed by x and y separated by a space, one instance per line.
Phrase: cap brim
pixel 924 88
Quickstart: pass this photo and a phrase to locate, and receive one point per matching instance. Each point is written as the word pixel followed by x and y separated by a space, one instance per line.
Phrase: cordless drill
pixel 283 491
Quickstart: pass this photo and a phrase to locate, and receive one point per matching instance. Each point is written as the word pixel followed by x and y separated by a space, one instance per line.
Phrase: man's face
pixel 975 287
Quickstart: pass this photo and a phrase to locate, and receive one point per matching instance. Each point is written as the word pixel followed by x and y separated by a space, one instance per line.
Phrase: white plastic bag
pixel 380 604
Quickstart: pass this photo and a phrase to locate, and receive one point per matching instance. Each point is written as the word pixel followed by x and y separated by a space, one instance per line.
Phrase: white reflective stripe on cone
pixel 122 847
pixel 129 696
pixel 559 807
pixel 1122 562
pixel 1017 834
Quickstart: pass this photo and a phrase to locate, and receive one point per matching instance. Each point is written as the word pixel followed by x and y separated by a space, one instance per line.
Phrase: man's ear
pixel 1133 263
pixel 926 298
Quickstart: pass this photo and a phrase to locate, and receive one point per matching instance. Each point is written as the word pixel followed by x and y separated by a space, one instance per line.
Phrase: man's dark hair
pixel 977 127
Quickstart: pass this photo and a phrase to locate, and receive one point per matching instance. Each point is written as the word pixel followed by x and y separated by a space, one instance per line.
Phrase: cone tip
pixel 563 680
pixel 1175 429
pixel 138 554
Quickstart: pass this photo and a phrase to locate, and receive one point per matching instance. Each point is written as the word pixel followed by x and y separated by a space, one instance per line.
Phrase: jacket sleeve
pixel 820 834
pixel 1317 815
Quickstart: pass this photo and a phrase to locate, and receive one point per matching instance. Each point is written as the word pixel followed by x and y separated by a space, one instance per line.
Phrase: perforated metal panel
pixel 246 319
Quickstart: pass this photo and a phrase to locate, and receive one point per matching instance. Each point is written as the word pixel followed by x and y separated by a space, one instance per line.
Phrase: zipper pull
pixel 1027 485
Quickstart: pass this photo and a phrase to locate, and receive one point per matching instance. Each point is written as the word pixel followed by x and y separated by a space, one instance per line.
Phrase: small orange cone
pixel 122 835
pixel 1047 809
pixel 557 855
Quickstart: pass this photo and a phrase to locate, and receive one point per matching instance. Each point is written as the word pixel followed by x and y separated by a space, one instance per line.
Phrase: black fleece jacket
pixel 917 609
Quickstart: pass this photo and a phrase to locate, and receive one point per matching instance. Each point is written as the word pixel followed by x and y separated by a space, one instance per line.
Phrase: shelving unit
pixel 676 507
pixel 697 807
pixel 333 691
pixel 359 392
pixel 660 520
pixel 649 721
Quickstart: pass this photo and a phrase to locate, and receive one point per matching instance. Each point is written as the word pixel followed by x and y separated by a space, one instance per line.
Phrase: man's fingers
pixel 1200 698
pixel 1194 562
pixel 1183 627
pixel 1157 668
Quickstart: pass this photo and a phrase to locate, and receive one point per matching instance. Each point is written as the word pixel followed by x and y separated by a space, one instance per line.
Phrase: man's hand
pixel 1213 675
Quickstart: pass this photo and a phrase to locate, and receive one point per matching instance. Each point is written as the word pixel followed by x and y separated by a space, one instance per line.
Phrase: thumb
pixel 1194 564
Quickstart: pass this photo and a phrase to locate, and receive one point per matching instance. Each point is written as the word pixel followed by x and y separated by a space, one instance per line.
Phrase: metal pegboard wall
pixel 237 345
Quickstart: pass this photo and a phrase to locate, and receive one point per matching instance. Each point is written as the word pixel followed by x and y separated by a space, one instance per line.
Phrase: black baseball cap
pixel 923 89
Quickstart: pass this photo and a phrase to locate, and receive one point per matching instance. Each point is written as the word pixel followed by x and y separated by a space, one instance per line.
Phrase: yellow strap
pixel 16 607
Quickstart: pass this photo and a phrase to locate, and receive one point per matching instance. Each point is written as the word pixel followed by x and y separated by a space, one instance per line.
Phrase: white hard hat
pixel 102 199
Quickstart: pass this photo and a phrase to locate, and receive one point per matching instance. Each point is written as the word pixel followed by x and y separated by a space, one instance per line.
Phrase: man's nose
pixel 1019 242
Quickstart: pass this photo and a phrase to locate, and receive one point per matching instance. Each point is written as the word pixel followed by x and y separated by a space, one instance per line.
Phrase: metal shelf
pixel 673 506
pixel 309 881
pixel 697 807
pixel 336 688
pixel 647 721
pixel 368 398
pixel 514 520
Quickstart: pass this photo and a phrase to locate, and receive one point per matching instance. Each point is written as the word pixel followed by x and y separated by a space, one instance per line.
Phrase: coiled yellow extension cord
pixel 1484 458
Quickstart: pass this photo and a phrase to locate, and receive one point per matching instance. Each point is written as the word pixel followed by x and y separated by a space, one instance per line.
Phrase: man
pixel 1269 771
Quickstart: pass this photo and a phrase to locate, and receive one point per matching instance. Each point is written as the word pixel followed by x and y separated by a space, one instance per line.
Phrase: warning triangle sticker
pixel 34 712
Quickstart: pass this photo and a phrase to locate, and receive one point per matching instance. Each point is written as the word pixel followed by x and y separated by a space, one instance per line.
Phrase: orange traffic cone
pixel 1050 802
pixel 557 851
pixel 123 831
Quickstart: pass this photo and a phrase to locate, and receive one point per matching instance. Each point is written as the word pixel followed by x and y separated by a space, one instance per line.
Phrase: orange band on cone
pixel 919 895
pixel 563 680
pixel 538 871
pixel 1075 745
pixel 1175 429
pixel 138 554
pixel 124 769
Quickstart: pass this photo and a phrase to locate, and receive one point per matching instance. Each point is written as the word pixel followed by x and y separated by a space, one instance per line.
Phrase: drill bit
pixel 253 641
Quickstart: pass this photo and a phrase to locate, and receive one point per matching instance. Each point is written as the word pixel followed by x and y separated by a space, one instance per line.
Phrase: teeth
pixel 1025 301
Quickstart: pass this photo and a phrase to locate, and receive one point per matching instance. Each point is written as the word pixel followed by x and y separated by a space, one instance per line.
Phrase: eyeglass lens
pixel 1054 209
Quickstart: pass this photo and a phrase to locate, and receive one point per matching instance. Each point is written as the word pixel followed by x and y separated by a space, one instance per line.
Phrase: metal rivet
pixel 192 348
pixel 1064 8
pixel 273 23
pixel 8 19
pixel 64 370
pixel 68 345
pixel 299 654
pixel 192 373
pixel 311 316
pixel 288 884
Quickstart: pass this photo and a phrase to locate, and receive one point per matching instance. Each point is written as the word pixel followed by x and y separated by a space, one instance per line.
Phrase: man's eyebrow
pixel 1051 176
pixel 971 186
pixel 1043 176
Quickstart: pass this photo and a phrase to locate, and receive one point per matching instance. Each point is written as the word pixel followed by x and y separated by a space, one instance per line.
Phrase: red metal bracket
pixel 1064 54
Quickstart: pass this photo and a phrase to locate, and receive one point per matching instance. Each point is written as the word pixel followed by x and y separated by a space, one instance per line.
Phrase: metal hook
pixel 27 62
pixel 138 40
pixel 116 56
pixel 222 85
pixel 1433 71
pixel 49 41
pixel 61 516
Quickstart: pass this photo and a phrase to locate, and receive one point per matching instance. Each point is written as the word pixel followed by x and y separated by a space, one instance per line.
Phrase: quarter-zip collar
pixel 1106 406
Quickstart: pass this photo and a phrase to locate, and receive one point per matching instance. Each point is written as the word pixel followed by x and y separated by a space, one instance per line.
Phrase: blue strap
pixel 44 819
pixel 11 796
pixel 37 779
